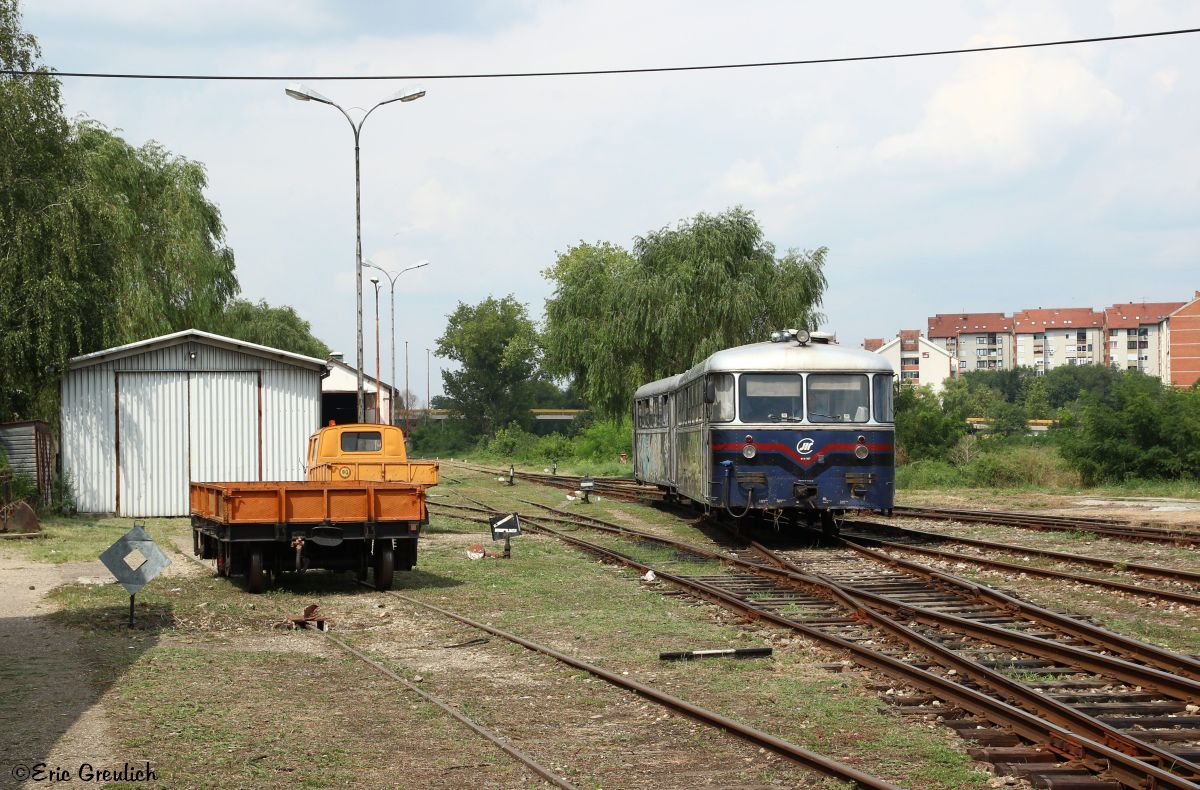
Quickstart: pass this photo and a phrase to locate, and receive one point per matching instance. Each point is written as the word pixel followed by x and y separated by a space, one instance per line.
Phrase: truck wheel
pixel 385 565
pixel 254 572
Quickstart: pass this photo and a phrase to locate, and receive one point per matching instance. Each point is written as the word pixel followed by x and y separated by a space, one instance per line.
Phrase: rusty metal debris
pixel 310 619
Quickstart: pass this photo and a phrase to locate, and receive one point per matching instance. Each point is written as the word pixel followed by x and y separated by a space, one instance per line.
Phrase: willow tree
pixel 620 318
pixel 101 242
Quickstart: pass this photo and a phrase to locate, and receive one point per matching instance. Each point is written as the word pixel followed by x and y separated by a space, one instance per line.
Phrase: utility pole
pixel 428 402
pixel 406 395
pixel 378 383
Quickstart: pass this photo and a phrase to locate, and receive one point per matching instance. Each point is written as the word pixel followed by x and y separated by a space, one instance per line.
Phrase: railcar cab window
pixel 882 383
pixel 838 397
pixel 362 442
pixel 771 397
pixel 721 409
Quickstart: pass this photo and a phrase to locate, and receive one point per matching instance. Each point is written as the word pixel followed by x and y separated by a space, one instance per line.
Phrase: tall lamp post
pixel 378 379
pixel 392 279
pixel 428 402
pixel 305 93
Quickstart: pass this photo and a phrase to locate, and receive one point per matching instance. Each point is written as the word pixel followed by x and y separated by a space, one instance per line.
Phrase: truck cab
pixel 364 452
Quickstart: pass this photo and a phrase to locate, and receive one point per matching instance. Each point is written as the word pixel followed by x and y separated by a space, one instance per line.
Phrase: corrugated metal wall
pixel 152 427
pixel 181 419
pixel 291 412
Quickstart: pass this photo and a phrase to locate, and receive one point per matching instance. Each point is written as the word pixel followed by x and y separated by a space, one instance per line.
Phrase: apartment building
pixel 916 360
pixel 1180 333
pixel 974 341
pixel 1049 338
pixel 1135 336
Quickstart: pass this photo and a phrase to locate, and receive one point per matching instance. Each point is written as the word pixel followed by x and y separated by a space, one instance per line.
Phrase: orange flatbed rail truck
pixel 362 506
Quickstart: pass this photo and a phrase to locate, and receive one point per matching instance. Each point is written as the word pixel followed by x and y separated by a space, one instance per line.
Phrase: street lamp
pixel 305 93
pixel 378 380
pixel 392 279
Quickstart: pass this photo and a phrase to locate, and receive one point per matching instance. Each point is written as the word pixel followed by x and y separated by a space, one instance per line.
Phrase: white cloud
pixel 1004 113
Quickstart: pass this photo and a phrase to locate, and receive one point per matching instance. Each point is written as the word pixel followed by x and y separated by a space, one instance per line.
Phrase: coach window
pixel 883 397
pixel 722 408
pixel 771 397
pixel 838 397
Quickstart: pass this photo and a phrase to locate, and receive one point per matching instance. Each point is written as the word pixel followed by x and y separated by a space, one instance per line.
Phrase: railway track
pixel 1121 530
pixel 1185 587
pixel 1113 707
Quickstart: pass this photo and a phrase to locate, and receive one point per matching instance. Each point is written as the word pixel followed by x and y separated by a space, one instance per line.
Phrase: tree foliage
pixel 1142 429
pixel 619 318
pixel 101 243
pixel 277 327
pixel 495 344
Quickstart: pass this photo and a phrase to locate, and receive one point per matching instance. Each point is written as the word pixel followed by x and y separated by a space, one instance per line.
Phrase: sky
pixel 986 182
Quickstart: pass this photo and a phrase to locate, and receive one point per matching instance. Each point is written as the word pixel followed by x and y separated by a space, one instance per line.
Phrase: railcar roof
pixel 768 357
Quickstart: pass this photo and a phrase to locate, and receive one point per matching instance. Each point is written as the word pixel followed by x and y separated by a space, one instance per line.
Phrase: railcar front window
pixel 722 408
pixel 771 397
pixel 883 398
pixel 362 442
pixel 837 397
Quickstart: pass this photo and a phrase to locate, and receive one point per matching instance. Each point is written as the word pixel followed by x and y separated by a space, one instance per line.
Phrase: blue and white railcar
pixel 799 426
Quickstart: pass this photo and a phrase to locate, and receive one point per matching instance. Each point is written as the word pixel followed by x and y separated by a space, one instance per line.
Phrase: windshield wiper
pixel 784 418
pixel 830 417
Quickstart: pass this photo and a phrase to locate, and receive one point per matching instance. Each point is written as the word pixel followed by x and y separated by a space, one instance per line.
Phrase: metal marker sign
pixel 505 527
pixel 134 560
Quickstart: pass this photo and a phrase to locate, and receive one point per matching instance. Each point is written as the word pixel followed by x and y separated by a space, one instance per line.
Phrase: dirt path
pixel 50 711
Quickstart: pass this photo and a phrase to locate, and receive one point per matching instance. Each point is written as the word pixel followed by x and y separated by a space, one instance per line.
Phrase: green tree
pixel 1143 429
pixel 618 319
pixel 40 311
pixel 277 327
pixel 924 430
pixel 495 344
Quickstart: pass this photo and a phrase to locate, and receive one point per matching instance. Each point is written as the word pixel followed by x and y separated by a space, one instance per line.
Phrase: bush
pixel 605 440
pixel 997 465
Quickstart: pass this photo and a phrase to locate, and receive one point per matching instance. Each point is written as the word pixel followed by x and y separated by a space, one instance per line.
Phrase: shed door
pixel 224 426
pixel 153 444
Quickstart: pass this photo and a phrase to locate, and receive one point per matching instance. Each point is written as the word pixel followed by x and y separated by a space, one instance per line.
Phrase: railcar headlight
pixel 749 452
pixel 802 336
pixel 861 452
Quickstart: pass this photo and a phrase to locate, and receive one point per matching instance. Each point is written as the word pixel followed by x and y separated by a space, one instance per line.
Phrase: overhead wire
pixel 595 72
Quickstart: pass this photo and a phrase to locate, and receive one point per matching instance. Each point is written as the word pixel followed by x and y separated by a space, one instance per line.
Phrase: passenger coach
pixel 798 427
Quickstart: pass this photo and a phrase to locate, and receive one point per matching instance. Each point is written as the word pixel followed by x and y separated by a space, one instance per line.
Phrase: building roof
pixel 368 380
pixel 954 324
pixel 194 335
pixel 1134 314
pixel 1026 321
pixel 923 344
pixel 873 343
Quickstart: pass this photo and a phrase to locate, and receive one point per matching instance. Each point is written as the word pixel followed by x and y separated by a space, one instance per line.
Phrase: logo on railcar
pixel 805 446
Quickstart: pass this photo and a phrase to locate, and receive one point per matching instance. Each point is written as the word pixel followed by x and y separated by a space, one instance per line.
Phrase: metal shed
pixel 141 421
pixel 29 450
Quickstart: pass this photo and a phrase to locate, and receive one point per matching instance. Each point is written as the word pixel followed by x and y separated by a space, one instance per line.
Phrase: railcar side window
pixel 883 397
pixel 722 409
pixel 771 397
pixel 362 442
pixel 838 397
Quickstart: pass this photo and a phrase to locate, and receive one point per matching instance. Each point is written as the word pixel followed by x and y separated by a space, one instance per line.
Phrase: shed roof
pixel 195 335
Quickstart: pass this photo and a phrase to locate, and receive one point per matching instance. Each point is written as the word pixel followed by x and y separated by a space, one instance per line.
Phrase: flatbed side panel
pixel 307 502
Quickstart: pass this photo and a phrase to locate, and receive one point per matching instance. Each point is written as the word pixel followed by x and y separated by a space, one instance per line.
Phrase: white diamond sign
pixel 134 559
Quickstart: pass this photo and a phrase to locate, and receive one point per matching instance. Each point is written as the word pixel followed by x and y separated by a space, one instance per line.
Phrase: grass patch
pixel 79 538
